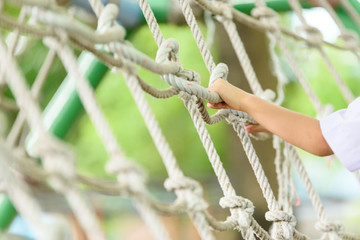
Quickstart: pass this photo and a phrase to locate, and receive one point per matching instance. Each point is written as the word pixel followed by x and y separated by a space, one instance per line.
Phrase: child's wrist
pixel 243 100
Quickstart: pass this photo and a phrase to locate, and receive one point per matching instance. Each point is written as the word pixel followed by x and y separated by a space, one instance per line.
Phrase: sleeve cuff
pixel 343 138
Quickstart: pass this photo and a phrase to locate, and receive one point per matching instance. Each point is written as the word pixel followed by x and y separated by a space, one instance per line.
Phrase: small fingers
pixel 255 128
pixel 219 105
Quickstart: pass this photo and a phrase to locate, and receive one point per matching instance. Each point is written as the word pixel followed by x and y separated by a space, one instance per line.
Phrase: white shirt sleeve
pixel 341 131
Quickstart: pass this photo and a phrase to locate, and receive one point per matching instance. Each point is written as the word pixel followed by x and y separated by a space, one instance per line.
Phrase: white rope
pixel 349 9
pixel 20 195
pixel 241 53
pixel 314 35
pixel 87 96
pixel 199 38
pixel 214 158
pixel 269 16
pixel 35 91
pixel 55 156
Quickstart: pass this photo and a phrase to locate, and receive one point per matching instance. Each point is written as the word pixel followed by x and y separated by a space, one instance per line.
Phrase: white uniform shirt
pixel 341 131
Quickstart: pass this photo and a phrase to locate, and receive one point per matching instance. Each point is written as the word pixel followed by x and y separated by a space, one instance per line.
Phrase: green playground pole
pixel 65 106
pixel 7 212
pixel 58 116
pixel 346 19
pixel 356 5
pixel 161 9
pixel 277 5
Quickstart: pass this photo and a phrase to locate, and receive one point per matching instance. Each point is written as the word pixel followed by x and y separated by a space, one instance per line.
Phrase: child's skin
pixel 295 128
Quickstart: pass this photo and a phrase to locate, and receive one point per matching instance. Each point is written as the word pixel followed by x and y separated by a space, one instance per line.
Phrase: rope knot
pixel 190 189
pixel 129 175
pixel 189 75
pixel 225 10
pixel 244 207
pixel 267 15
pixel 351 39
pixel 220 71
pixel 168 51
pixel 284 224
pixel 183 183
pixel 312 34
pixel 56 156
pixel 327 227
pixel 118 166
pixel 238 118
pixel 237 202
pixel 107 17
pixel 279 216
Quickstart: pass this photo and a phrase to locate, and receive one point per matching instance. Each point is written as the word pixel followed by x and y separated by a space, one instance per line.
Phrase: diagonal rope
pixel 351 11
pixel 20 195
pixel 214 158
pixel 35 91
pixel 88 99
pixel 240 51
pixel 51 153
pixel 314 35
pixel 350 37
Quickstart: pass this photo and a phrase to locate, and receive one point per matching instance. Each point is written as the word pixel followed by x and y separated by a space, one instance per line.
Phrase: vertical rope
pixel 151 21
pixel 268 16
pixel 243 57
pixel 18 192
pixel 35 91
pixel 97 6
pixel 208 145
pixel 160 142
pixel 33 116
pixel 344 89
pixel 14 40
pixel 256 165
pixel 149 16
pixel 152 220
pixel 91 106
pixel 350 37
pixel 314 197
pixel 199 38
pixel 277 70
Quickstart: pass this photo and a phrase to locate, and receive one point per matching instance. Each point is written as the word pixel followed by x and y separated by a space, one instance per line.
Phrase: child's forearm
pixel 298 129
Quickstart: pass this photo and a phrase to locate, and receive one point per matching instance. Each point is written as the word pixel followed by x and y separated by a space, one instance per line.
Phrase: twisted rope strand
pixel 314 35
pixel 87 96
pixel 35 91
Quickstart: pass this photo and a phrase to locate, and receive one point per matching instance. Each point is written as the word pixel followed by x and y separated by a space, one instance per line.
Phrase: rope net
pixel 61 33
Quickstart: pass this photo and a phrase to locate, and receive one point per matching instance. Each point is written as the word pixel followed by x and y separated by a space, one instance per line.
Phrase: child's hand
pixel 232 96
pixel 220 105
